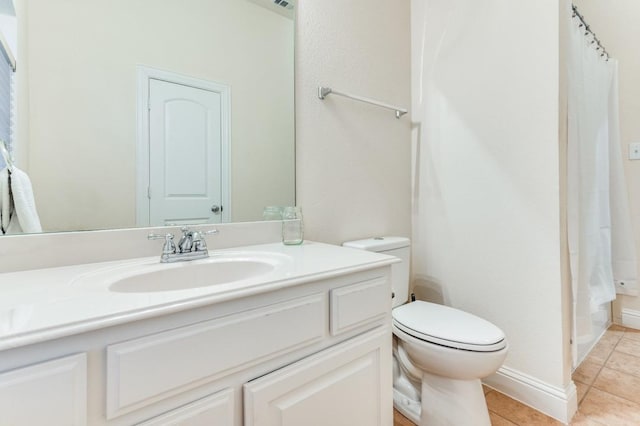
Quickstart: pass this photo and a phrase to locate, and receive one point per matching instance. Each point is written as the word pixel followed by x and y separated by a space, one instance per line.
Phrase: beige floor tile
pixel 486 389
pixel 582 390
pixel 631 333
pixel 617 327
pixel 612 336
pixel 516 412
pixel 629 346
pixel 610 410
pixel 625 363
pixel 587 371
pixel 496 420
pixel 602 350
pixel 400 420
pixel 581 420
pixel 619 384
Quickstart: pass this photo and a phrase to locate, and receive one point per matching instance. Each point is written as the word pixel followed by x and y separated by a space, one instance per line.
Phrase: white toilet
pixel 440 353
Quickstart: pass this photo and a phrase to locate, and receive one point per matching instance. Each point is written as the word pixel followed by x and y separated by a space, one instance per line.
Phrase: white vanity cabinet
pixel 314 353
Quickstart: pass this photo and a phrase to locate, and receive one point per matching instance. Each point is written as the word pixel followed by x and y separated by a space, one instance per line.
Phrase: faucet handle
pixel 158 236
pixel 169 246
pixel 199 243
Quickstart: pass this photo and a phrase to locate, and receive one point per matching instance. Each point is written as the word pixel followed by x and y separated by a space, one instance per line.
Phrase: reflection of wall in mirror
pixel 616 26
pixel 78 105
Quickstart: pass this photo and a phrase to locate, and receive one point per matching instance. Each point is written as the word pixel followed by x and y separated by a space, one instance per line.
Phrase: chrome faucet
pixel 191 246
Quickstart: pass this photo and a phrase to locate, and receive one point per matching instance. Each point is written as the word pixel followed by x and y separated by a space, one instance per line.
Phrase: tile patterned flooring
pixel 608 383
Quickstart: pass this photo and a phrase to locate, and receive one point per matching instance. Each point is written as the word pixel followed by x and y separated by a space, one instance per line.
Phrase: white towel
pixel 23 217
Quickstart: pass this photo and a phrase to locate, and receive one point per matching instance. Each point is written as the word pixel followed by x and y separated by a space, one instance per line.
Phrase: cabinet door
pixel 49 393
pixel 346 385
pixel 213 410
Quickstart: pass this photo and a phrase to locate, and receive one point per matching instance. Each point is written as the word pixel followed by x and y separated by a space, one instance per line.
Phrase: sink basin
pixel 191 276
pixel 145 276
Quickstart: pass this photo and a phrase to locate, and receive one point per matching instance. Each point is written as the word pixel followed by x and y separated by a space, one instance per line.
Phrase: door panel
pixel 185 141
pixel 186 149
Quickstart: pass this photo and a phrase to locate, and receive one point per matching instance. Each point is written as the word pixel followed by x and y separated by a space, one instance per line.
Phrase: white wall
pixel 616 25
pixel 486 225
pixel 78 115
pixel 352 159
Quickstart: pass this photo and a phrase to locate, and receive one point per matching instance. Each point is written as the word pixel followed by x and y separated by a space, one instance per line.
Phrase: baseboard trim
pixel 559 403
pixel 631 318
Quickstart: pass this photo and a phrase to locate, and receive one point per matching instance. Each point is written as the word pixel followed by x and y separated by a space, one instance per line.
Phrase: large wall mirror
pixel 144 112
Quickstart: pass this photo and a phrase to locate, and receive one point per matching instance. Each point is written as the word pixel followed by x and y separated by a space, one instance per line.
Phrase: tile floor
pixel 608 384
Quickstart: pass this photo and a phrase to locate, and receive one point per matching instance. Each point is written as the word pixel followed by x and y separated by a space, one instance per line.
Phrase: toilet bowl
pixel 440 353
pixel 453 350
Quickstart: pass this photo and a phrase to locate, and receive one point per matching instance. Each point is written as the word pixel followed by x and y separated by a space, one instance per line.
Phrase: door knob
pixel 216 209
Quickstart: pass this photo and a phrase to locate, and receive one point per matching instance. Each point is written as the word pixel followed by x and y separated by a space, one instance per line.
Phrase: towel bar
pixel 324 91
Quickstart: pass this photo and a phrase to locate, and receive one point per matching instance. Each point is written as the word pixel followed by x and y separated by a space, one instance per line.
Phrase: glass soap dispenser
pixel 292 226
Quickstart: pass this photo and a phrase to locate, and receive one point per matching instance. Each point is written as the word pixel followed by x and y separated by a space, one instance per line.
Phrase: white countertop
pixel 44 304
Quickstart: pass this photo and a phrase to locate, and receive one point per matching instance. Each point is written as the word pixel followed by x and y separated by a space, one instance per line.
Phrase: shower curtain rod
pixel 588 31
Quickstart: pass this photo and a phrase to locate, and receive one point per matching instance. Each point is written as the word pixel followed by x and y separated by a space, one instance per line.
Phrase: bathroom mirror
pixel 120 103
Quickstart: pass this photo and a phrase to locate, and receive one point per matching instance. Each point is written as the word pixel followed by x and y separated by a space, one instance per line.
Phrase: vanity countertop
pixel 43 304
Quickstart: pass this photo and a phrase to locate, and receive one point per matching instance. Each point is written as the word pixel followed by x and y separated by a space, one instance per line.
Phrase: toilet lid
pixel 447 326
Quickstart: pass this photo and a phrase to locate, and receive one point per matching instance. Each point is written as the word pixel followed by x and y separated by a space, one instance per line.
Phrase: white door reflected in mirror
pixel 185 151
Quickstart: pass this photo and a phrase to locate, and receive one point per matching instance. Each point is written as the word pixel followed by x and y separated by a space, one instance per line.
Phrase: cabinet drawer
pixel 49 393
pixel 216 409
pixel 145 370
pixel 356 304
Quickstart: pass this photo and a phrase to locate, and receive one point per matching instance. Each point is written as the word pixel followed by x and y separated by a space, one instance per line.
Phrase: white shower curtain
pixel 601 243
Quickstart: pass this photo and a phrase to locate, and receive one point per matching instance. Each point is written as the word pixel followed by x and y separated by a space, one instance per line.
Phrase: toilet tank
pixel 393 246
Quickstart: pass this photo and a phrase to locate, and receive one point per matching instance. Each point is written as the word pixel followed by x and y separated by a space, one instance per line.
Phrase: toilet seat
pixel 446 326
